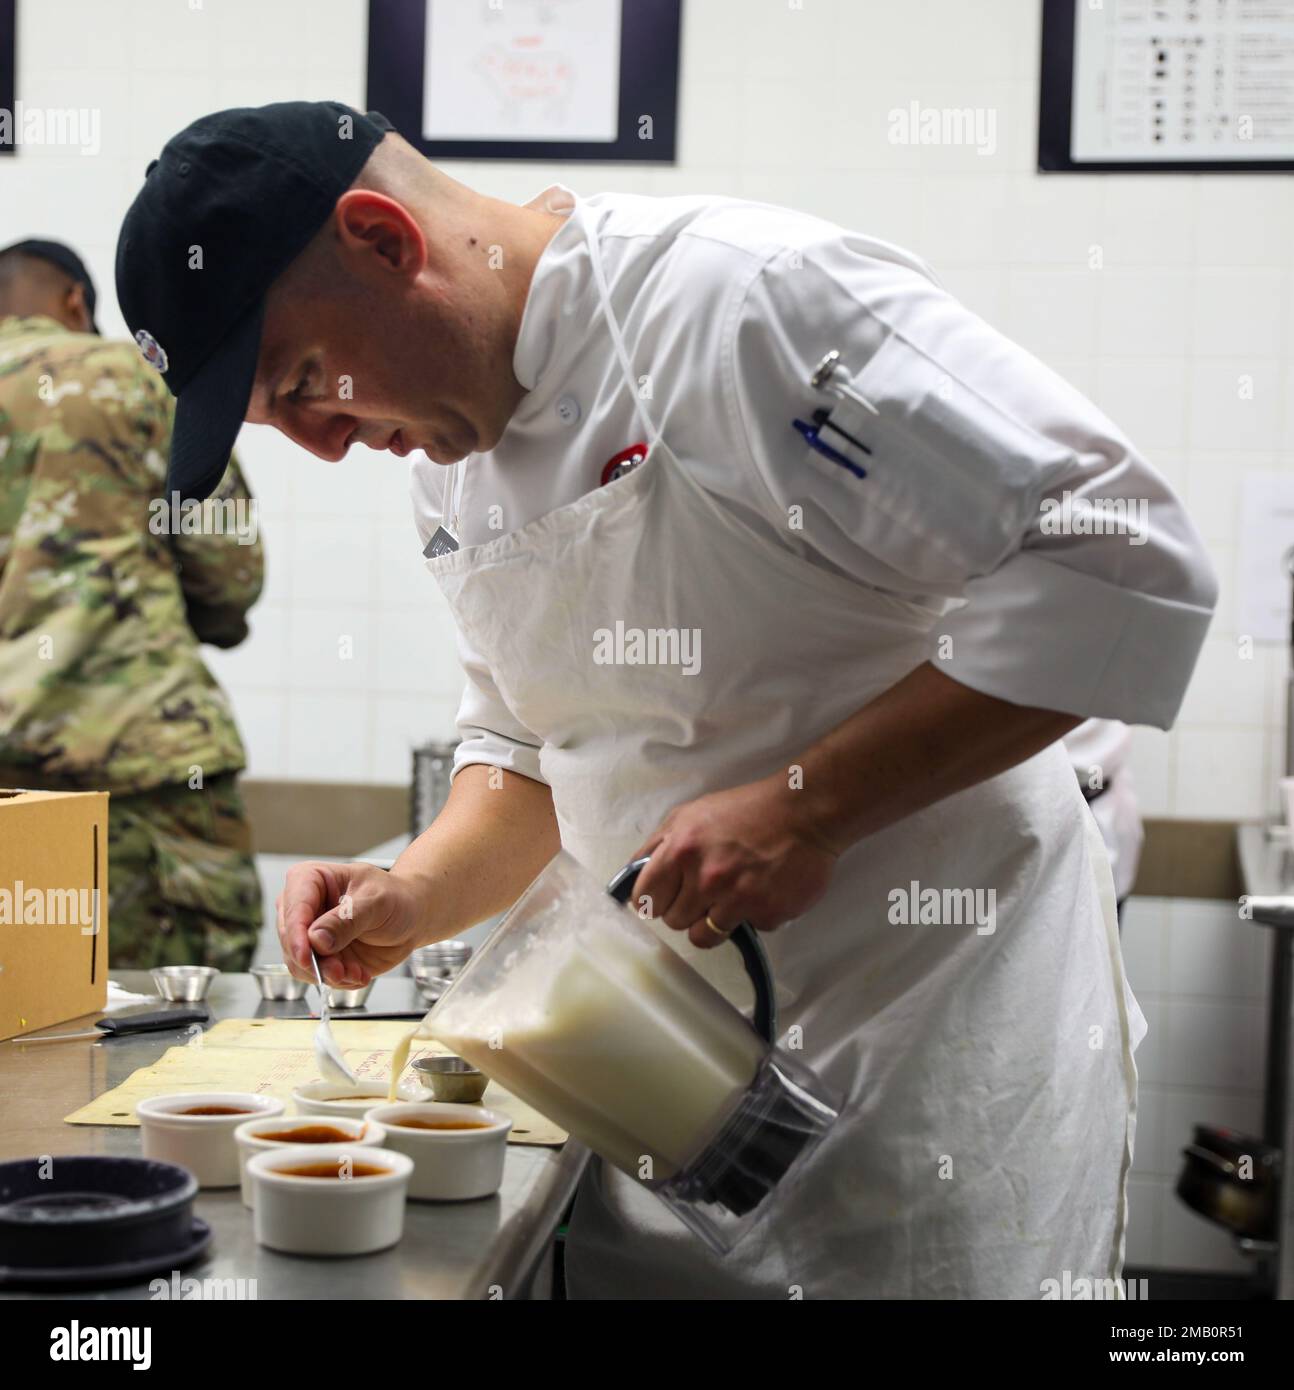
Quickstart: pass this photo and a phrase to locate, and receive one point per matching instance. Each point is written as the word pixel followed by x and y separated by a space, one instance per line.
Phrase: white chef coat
pixel 1100 750
pixel 741 300
pixel 919 1030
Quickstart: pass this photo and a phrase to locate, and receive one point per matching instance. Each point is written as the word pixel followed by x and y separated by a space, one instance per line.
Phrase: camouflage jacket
pixel 103 599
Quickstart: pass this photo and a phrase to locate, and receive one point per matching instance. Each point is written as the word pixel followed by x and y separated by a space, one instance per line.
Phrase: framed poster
pixel 528 79
pixel 1167 86
pixel 8 64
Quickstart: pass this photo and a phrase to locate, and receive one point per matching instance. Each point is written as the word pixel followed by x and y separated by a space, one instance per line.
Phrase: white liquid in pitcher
pixel 629 1050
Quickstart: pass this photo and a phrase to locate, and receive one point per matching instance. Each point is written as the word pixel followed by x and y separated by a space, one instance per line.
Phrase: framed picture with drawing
pixel 529 79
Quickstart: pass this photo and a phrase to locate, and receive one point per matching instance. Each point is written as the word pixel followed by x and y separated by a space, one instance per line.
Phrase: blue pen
pixel 813 439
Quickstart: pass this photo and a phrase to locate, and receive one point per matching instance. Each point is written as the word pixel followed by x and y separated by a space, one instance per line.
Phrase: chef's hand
pixel 748 854
pixel 360 920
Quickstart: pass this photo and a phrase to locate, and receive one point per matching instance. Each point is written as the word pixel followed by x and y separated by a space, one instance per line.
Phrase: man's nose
pixel 325 436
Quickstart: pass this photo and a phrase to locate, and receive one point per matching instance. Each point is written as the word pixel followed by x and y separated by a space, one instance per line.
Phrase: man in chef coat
pixel 818 671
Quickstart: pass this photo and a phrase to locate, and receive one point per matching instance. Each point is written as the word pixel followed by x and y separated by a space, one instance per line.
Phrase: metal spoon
pixel 332 1065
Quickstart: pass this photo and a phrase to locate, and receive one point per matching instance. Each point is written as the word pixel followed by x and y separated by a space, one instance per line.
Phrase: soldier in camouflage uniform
pixel 102 609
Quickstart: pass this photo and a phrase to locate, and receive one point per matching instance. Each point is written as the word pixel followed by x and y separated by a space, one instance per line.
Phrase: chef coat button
pixel 568 410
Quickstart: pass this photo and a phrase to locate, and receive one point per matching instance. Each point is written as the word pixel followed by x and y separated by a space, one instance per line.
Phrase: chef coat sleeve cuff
pixel 1041 634
pixel 494 749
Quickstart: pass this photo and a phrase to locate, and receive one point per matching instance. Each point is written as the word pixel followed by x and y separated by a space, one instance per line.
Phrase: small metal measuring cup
pixel 451 1079
pixel 278 982
pixel 183 984
pixel 349 997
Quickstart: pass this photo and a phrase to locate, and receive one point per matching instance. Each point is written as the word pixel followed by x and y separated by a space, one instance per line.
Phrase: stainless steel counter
pixel 449 1250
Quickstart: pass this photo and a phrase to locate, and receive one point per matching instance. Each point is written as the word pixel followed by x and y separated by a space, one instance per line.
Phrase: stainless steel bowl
pixel 348 998
pixel 433 967
pixel 278 982
pixel 451 1079
pixel 183 984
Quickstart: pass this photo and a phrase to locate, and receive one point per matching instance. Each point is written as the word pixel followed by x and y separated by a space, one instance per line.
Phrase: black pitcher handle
pixel 743 936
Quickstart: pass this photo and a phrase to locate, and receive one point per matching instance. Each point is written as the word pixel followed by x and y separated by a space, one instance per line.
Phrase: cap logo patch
pixel 152 351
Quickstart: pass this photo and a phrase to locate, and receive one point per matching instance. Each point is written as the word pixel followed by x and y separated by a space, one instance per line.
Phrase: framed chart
pixel 1166 86
pixel 529 79
pixel 8 64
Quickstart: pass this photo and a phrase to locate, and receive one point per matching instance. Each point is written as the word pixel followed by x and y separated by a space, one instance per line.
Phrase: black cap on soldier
pixel 67 261
pixel 228 206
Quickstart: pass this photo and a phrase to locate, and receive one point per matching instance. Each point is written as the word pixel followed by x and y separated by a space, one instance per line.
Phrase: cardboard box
pixel 53 907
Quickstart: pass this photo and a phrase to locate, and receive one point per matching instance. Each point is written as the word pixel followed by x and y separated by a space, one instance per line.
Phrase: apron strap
pixel 617 338
pixel 454 490
pixel 454 495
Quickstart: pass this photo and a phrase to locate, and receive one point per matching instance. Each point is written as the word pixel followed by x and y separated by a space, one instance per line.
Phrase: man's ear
pixel 380 229
pixel 76 314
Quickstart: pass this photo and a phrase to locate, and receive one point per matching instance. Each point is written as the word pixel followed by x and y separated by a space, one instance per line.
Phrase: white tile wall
pixel 1182 335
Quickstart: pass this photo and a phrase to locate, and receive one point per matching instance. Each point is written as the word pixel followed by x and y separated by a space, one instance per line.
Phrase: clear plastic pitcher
pixel 578 1008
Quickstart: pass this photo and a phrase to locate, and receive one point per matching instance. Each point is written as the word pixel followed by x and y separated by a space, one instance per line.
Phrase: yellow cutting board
pixel 273 1056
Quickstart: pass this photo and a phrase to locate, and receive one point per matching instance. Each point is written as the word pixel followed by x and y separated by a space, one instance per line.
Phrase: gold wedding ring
pixel 718 931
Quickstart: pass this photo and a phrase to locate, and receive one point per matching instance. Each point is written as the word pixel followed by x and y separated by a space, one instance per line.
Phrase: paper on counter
pixel 119 998
pixel 273 1056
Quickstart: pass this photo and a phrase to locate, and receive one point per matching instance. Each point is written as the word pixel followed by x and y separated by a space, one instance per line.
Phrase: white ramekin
pixel 449 1165
pixel 336 1097
pixel 204 1144
pixel 328 1216
pixel 249 1137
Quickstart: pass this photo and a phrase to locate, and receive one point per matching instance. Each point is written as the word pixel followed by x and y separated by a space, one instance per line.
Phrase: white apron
pixel 985 1141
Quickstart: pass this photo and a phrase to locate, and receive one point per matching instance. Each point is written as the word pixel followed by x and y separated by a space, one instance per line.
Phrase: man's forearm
pixel 483 849
pixel 922 740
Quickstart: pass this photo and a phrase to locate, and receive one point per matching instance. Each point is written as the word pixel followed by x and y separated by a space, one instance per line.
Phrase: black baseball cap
pixel 67 260
pixel 231 202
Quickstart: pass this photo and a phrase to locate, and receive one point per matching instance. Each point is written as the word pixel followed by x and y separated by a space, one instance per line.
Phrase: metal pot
pixel 1233 1180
